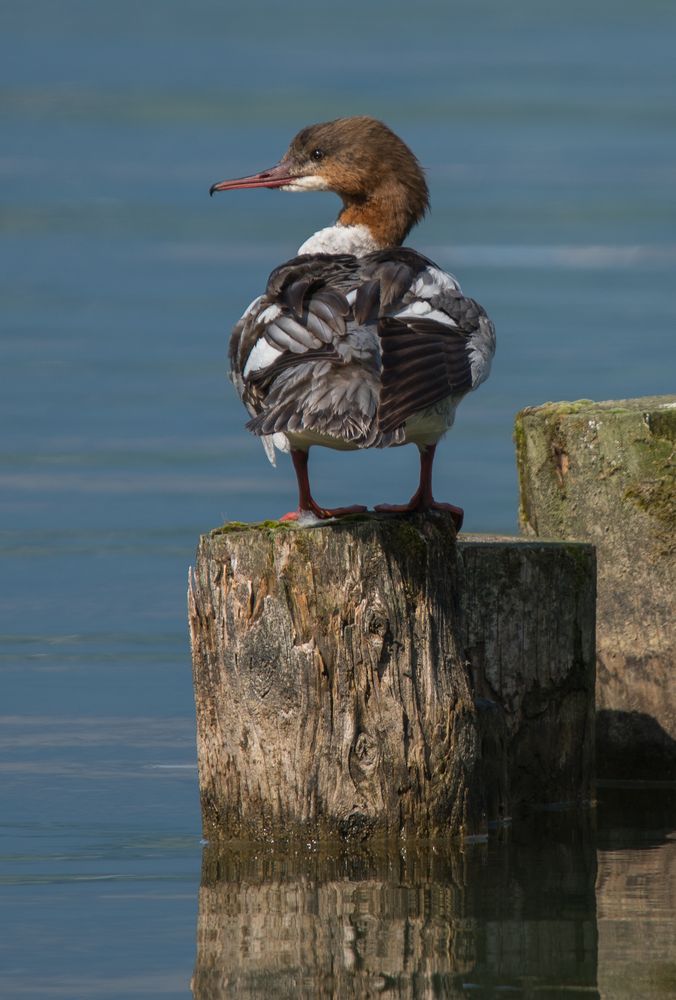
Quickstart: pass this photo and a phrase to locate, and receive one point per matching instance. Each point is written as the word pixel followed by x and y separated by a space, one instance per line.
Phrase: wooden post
pixel 332 696
pixel 371 677
pixel 604 472
pixel 528 629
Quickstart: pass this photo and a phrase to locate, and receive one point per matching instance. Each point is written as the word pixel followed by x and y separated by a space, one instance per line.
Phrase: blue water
pixel 547 134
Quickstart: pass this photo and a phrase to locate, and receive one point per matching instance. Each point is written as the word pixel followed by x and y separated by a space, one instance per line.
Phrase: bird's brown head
pixel 376 175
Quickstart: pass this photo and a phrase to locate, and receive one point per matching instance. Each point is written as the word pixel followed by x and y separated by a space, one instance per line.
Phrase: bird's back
pixel 358 352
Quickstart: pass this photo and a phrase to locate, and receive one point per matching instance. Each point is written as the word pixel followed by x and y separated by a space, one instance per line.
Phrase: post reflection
pixel 636 892
pixel 405 923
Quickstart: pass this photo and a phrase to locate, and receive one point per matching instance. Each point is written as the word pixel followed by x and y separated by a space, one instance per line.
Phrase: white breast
pixel 356 240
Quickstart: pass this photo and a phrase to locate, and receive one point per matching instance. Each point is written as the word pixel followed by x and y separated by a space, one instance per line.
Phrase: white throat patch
pixel 356 240
pixel 313 182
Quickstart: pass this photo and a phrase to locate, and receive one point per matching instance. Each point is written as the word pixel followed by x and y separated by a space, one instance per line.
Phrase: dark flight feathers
pixel 329 374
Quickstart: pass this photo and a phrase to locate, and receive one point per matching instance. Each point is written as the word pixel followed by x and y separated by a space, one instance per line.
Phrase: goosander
pixel 357 342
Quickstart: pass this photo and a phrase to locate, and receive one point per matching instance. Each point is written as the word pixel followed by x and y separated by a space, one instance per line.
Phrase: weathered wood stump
pixel 332 696
pixel 528 630
pixel 604 472
pixel 372 677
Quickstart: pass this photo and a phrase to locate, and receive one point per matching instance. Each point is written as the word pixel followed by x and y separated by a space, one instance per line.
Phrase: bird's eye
pixel 317 154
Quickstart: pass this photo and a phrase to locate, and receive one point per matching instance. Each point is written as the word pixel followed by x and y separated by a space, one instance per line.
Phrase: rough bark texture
pixel 604 472
pixel 332 697
pixel 528 612
pixel 333 685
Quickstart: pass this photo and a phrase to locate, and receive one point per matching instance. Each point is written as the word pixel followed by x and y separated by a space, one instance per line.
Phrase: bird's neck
pixel 381 218
pixel 357 240
pixel 389 211
pixel 370 222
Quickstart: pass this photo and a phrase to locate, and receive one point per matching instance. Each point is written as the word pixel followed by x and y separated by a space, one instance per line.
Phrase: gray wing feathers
pixel 333 404
pixel 350 348
pixel 290 335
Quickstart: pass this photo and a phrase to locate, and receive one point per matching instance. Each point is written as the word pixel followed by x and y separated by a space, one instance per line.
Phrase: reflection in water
pixel 636 892
pixel 409 923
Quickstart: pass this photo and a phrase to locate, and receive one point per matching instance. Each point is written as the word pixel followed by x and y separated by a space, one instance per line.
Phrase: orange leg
pixel 422 499
pixel 305 498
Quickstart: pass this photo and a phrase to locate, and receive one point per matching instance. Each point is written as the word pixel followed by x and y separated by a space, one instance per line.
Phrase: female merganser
pixel 357 341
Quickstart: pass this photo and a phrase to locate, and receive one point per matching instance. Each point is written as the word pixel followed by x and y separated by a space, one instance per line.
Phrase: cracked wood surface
pixel 332 695
pixel 372 677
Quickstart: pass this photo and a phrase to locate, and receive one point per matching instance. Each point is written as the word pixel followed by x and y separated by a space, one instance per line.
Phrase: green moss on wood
pixel 657 498
pixel 554 409
pixel 624 448
pixel 234 527
pixel 662 422
pixel 407 525
pixel 653 405
pixel 409 540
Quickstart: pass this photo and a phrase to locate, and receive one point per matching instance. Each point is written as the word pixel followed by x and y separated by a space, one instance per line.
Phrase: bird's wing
pixel 436 343
pixel 350 348
pixel 300 362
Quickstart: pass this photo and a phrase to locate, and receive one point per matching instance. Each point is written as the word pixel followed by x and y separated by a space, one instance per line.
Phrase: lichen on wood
pixel 605 473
